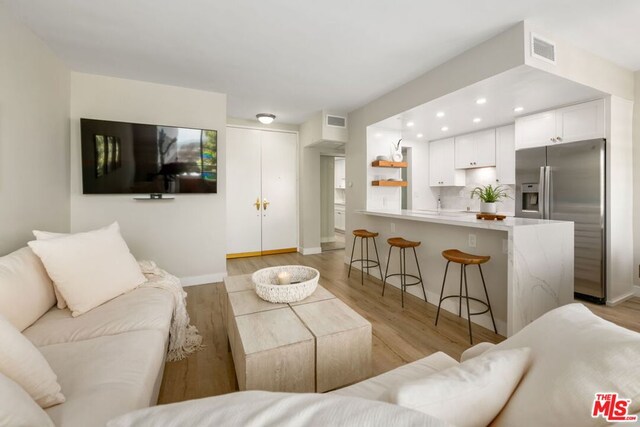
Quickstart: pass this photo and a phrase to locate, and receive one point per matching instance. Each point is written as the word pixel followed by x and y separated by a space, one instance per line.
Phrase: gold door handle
pixel 265 204
pixel 257 203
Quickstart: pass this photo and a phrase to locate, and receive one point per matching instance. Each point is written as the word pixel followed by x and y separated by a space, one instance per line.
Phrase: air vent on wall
pixel 543 49
pixel 336 121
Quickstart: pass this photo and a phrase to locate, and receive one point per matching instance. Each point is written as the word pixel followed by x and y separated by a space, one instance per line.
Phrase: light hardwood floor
pixel 399 335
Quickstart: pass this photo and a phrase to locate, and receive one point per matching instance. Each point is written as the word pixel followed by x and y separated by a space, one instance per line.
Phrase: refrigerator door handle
pixel 547 192
pixel 542 198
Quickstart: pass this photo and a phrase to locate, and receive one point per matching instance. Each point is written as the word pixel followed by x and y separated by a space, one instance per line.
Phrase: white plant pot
pixel 488 208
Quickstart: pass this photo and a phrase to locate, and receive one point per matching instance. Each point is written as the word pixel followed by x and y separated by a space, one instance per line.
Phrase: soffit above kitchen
pixel 524 88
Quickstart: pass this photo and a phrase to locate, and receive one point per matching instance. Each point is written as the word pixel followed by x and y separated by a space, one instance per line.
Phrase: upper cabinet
pixel 574 123
pixel 442 170
pixel 475 150
pixel 506 155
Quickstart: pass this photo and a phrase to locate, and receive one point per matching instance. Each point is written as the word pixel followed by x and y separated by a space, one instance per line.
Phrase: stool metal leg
pixel 377 257
pixel 353 248
pixel 403 278
pixel 488 303
pixel 460 299
pixel 362 261
pixel 444 280
pixel 420 274
pixel 368 257
pixel 466 290
pixel 386 270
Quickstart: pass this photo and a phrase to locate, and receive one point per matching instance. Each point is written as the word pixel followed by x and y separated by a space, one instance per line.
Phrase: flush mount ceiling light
pixel 409 124
pixel 518 109
pixel 440 114
pixel 481 101
pixel 477 120
pixel 266 118
pixel 444 128
pixel 419 135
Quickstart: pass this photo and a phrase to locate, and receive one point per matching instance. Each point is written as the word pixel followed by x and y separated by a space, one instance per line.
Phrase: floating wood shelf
pixel 389 183
pixel 386 164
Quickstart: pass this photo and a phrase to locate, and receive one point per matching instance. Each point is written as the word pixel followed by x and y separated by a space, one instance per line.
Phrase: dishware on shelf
pixel 383 158
pixel 303 282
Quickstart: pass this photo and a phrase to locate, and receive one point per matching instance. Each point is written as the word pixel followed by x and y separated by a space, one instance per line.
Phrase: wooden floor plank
pixel 399 335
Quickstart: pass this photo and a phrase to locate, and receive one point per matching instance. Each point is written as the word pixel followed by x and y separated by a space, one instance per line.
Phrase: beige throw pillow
pixel 18 408
pixel 44 235
pixel 470 394
pixel 26 291
pixel 89 268
pixel 21 362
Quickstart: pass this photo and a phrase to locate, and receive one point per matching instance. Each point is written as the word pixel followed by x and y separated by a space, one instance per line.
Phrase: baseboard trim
pixel 622 298
pixel 202 280
pixel 310 251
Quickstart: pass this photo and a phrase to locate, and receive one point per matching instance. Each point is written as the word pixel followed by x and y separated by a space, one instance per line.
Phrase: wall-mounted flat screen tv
pixel 133 158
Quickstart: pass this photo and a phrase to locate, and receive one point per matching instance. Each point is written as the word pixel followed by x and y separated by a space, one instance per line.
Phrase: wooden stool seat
pixel 364 233
pixel 460 257
pixel 399 242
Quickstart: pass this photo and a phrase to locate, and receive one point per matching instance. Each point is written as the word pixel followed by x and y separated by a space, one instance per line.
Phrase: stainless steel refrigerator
pixel 566 182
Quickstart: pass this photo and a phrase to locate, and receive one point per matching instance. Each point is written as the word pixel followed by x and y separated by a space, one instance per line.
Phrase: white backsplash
pixel 459 198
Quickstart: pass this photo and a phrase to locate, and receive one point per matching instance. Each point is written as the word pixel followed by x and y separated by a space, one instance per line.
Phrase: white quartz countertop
pixel 459 218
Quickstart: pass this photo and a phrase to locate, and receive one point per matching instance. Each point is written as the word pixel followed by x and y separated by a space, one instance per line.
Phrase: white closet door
pixel 279 190
pixel 243 190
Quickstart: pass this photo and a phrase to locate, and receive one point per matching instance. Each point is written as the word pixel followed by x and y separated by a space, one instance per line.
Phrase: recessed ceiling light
pixel 477 120
pixel 419 135
pixel 266 118
pixel 444 128
pixel 409 124
pixel 518 109
pixel 481 101
pixel 440 114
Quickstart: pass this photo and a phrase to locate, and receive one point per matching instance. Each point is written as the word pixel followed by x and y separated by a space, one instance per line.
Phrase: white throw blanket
pixel 184 338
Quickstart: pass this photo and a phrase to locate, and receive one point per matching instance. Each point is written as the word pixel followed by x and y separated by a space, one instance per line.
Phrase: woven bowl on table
pixel 304 281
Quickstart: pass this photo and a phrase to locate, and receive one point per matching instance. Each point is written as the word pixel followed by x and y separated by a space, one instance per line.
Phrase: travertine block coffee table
pixel 317 344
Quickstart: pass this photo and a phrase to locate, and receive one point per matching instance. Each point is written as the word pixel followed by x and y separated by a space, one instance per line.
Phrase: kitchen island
pixel 530 272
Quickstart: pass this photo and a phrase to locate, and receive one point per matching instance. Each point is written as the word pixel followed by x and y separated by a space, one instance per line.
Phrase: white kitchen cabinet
pixel 568 124
pixel 262 204
pixel 442 170
pixel 339 222
pixel 475 150
pixel 580 122
pixel 506 155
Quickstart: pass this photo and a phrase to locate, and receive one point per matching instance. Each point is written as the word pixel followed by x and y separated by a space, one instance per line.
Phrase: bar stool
pixel 402 244
pixel 465 259
pixel 365 235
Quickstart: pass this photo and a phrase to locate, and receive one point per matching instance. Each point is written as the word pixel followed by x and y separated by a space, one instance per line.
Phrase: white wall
pixel 327 207
pixel 309 175
pixel 34 136
pixel 636 183
pixel 185 236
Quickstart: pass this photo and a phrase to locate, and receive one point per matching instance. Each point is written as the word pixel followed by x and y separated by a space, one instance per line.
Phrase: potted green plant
pixel 488 196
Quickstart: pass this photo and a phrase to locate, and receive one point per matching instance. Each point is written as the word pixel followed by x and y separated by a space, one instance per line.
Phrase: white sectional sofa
pixel 110 360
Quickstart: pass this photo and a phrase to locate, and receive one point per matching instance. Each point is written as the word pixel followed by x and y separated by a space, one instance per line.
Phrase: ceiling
pixel 293 58
pixel 531 89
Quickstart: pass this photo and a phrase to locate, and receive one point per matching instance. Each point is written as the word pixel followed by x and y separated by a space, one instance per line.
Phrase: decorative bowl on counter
pixel 303 282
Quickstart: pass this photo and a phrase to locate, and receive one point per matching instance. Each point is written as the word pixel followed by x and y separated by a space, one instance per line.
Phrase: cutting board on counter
pixel 490 217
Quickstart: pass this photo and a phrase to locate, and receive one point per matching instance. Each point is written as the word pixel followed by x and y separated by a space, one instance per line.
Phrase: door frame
pixel 297 134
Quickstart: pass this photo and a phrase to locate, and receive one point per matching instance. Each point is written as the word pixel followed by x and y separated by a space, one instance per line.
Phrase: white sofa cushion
pixel 89 268
pixel 106 377
pixel 377 388
pixel 26 291
pixel 470 394
pixel 575 354
pixel 261 408
pixel 141 309
pixel 23 363
pixel 44 235
pixel 18 409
